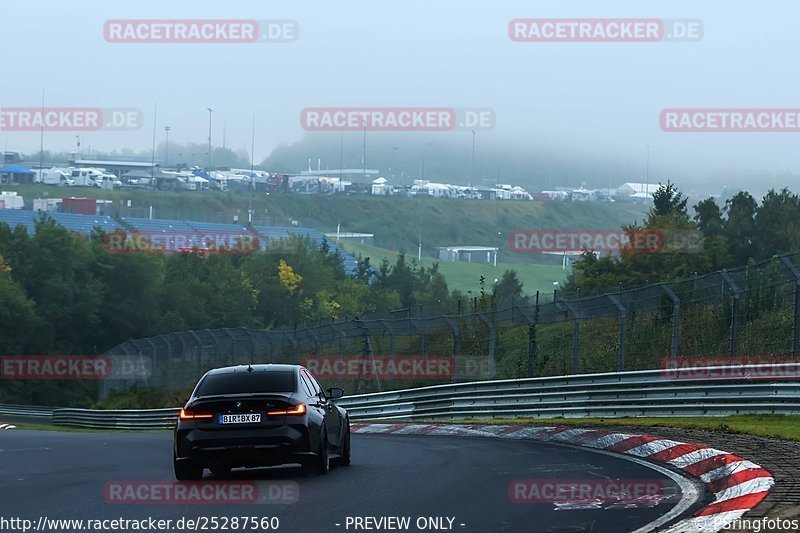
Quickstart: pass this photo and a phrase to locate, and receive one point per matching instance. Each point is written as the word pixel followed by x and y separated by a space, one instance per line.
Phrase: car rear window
pixel 244 382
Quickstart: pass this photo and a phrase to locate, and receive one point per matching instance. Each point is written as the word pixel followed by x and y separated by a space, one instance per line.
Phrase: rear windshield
pixel 243 382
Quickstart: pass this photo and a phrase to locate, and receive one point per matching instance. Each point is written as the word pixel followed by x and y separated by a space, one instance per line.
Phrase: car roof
pixel 270 367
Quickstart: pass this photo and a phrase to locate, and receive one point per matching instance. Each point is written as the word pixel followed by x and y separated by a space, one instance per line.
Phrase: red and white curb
pixel 7 426
pixel 737 484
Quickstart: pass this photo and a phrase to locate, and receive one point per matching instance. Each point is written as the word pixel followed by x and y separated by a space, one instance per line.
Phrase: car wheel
pixel 187 470
pixel 323 462
pixel 344 460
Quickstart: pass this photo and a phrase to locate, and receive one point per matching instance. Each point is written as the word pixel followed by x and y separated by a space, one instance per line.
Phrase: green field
pixel 466 276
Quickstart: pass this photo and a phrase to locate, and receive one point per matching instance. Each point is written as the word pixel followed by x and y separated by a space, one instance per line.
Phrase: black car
pixel 260 415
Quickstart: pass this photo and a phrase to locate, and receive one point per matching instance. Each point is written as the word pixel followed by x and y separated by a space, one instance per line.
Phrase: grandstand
pixel 190 232
pixel 79 223
pixel 282 232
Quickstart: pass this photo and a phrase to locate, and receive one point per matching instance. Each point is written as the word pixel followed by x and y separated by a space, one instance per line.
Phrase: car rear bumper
pixel 244 447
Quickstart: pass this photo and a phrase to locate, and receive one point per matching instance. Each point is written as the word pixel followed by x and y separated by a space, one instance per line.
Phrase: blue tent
pixel 16 169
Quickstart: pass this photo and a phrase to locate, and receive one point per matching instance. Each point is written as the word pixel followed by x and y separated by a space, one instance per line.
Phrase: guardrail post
pixel 676 319
pixel 576 334
pixel 622 317
pixel 796 325
pixel 735 311
pixel 492 336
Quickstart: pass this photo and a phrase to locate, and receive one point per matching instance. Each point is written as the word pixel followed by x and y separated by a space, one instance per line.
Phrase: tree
pixel 668 202
pixel 508 288
pixel 740 228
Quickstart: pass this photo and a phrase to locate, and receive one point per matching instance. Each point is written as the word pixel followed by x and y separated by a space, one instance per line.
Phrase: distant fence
pixel 753 310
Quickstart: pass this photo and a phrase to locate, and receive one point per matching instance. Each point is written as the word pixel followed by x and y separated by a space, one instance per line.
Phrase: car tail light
pixel 188 415
pixel 299 409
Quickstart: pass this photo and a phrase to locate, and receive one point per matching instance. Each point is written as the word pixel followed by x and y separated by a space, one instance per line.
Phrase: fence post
pixel 159 382
pixel 622 318
pixel 531 340
pixel 421 336
pixel 676 320
pixel 734 314
pixel 796 323
pixel 492 336
pixel 454 329
pixel 388 328
pixel 198 347
pixel 576 334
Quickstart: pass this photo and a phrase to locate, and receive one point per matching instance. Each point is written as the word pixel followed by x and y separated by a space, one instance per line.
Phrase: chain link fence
pixel 748 311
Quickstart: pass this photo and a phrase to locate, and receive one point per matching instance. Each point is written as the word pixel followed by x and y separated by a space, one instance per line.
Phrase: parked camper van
pixel 94 177
pixel 55 176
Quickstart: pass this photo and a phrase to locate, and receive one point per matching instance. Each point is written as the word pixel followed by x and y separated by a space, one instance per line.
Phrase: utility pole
pixel 166 146
pixel 472 164
pixel 364 153
pixel 209 138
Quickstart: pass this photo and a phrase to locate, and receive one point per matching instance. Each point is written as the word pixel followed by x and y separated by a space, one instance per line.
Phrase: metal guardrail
pixel 117 419
pixel 619 394
pixel 26 411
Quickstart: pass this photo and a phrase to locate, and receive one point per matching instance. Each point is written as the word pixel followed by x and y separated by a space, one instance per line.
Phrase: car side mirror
pixel 335 392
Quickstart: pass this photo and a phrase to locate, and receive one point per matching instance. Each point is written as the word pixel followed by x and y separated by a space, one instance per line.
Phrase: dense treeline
pixel 738 233
pixel 64 293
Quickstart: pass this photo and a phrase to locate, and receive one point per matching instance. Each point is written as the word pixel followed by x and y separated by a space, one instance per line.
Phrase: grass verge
pixel 786 427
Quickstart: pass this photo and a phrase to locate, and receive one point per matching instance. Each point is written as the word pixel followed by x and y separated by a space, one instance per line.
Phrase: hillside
pixel 397 223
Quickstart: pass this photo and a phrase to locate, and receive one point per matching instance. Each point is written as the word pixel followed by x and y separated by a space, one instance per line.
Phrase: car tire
pixel 187 470
pixel 344 460
pixel 322 465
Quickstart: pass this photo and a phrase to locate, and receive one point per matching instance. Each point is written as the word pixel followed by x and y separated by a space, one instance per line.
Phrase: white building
pixel 630 189
pixel 10 200
pixel 469 254
pixel 380 186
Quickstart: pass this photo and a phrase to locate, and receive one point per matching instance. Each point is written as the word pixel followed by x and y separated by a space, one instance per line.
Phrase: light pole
pixel 472 164
pixel 166 146
pixel 364 153
pixel 209 137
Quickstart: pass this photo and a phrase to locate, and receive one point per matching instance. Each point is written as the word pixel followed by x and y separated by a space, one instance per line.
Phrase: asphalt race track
pixel 63 475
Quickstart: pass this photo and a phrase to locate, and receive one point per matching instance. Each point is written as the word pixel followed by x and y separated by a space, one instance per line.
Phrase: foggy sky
pixel 598 100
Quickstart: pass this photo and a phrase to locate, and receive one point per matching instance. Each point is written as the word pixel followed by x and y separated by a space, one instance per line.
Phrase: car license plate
pixel 240 419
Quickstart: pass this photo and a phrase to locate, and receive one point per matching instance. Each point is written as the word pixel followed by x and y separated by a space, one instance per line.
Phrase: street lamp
pixel 166 149
pixel 209 137
pixel 472 164
pixel 364 153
